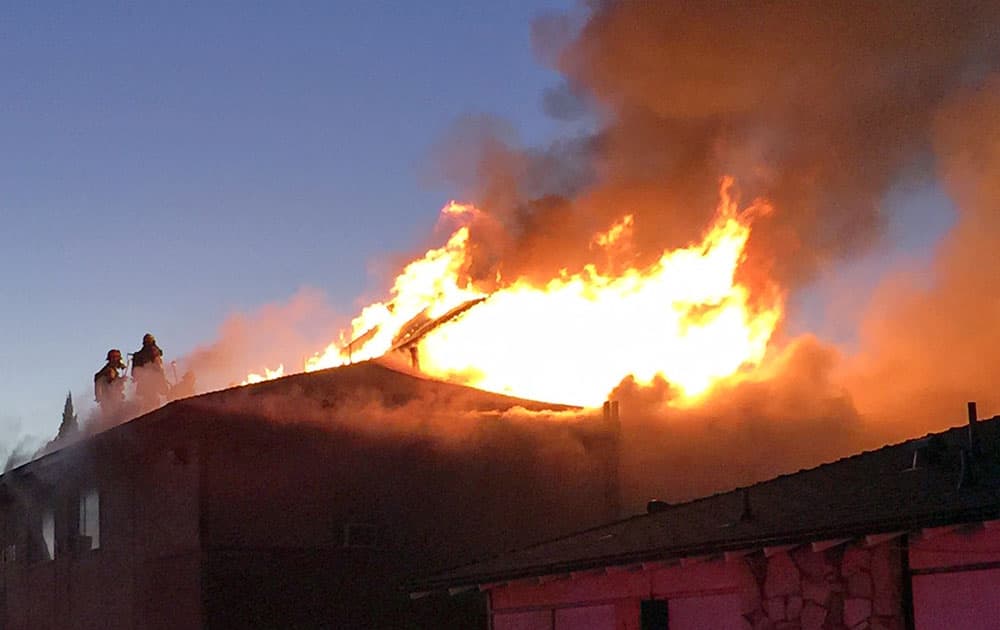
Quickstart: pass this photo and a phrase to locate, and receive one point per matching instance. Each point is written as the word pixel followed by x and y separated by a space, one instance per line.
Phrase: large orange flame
pixel 428 287
pixel 685 318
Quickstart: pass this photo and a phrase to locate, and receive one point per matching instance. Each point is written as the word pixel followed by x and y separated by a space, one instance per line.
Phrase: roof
pixel 869 493
pixel 302 398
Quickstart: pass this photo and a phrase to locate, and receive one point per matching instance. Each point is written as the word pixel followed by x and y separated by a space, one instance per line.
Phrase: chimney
pixel 967 473
pixel 973 429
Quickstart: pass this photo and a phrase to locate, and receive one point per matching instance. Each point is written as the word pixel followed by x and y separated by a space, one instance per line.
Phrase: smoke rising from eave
pixel 791 414
pixel 269 336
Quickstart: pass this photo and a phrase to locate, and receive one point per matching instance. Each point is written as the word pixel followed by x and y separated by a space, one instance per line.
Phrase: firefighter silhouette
pixel 109 381
pixel 148 374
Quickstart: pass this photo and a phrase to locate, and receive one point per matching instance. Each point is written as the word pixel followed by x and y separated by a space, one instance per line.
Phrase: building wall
pixel 276 501
pixel 843 587
pixel 956 576
pixel 145 572
pixel 166 539
pixel 213 517
pixel 848 586
pixel 611 601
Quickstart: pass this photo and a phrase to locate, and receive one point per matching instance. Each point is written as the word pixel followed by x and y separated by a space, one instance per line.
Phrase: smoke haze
pixel 924 349
pixel 273 335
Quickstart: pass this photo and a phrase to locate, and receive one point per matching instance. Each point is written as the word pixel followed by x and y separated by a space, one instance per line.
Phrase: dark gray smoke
pixel 817 106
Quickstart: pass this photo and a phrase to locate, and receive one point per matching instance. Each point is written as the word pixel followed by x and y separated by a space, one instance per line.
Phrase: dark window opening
pixel 653 615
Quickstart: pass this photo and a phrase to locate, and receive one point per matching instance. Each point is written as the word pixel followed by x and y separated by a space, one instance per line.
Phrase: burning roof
pixel 688 316
pixel 374 382
pixel 604 263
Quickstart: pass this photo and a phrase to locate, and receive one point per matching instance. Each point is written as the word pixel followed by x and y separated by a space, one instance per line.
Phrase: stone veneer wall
pixel 848 587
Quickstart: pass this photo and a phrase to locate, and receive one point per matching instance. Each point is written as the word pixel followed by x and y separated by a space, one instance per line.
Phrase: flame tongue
pixel 574 339
pixel 685 318
pixel 266 376
pixel 428 288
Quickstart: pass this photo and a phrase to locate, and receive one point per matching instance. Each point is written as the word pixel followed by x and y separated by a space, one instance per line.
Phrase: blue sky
pixel 166 164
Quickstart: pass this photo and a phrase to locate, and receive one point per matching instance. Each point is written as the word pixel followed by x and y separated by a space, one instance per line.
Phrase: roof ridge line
pixel 818 466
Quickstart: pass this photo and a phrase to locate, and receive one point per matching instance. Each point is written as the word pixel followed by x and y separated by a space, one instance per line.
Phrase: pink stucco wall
pixel 956 579
pixel 846 586
pixel 697 612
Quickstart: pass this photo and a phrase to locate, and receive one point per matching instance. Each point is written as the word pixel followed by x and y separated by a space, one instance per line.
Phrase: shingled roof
pixel 956 480
pixel 286 398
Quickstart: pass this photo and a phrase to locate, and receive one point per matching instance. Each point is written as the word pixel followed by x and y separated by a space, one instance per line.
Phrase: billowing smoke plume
pixel 793 415
pixel 926 347
pixel 818 107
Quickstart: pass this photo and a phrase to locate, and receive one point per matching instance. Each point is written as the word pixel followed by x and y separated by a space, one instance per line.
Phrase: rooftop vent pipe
pixel 973 429
pixel 967 473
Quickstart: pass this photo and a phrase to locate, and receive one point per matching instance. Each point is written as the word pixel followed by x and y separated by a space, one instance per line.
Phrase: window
pixel 49 534
pixel 363 535
pixel 90 519
pixel 654 614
